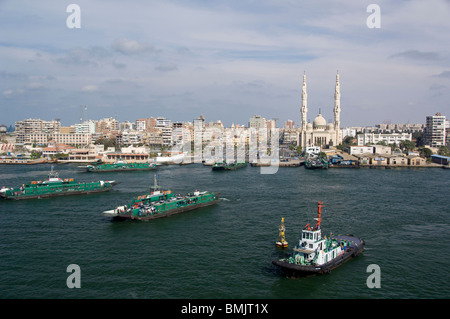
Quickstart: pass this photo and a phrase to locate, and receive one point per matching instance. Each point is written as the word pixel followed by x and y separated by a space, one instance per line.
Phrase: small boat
pixel 282 243
pixel 316 254
pixel 55 186
pixel 160 203
pixel 315 162
pixel 224 166
pixel 119 166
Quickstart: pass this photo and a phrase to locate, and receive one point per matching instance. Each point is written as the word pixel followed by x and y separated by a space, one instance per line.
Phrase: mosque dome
pixel 319 122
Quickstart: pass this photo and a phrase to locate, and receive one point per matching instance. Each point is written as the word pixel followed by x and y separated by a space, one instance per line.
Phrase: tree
pixel 407 146
pixel 444 151
pixel 418 137
pixel 425 152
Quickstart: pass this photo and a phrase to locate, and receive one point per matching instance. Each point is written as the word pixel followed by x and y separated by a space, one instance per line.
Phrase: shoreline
pixel 293 163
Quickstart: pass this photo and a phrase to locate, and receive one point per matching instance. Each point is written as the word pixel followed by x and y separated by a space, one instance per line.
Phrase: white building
pixel 24 128
pixel 165 126
pixel 374 138
pixel 435 130
pixel 359 150
pixel 87 127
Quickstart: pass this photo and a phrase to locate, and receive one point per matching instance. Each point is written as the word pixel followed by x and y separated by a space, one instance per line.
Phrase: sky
pixel 225 60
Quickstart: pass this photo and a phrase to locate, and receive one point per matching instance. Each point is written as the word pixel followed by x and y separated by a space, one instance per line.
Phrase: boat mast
pixel 319 212
pixel 155 186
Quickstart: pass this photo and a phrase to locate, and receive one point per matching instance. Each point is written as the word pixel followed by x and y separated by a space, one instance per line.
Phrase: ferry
pixel 54 186
pixel 224 166
pixel 318 255
pixel 119 166
pixel 161 203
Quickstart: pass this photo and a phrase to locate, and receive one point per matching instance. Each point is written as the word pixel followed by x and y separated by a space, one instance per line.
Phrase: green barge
pixel 119 166
pixel 54 186
pixel 224 166
pixel 161 203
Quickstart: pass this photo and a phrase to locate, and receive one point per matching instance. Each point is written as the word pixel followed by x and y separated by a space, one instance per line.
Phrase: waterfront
pixel 225 251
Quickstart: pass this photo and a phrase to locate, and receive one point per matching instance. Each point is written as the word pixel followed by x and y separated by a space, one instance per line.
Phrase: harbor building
pixel 388 138
pixel 319 132
pixel 435 134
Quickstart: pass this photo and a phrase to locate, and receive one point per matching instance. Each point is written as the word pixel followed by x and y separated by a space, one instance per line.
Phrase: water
pixel 225 251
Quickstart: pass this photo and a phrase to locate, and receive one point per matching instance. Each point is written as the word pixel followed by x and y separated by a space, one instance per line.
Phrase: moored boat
pixel 219 166
pixel 315 162
pixel 159 203
pixel 54 186
pixel 119 166
pixel 316 254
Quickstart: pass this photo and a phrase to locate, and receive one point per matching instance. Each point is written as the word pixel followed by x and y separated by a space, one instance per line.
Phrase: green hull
pixel 114 167
pixel 227 167
pixel 316 163
pixel 63 188
pixel 162 205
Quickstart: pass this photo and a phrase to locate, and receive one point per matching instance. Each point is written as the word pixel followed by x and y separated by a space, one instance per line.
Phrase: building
pixel 358 150
pixel 289 124
pixel 388 138
pixel 141 125
pixel 257 122
pixel 165 126
pixel 319 132
pixel 440 159
pixel 55 148
pixel 25 128
pixel 107 125
pixel 87 127
pixel 435 130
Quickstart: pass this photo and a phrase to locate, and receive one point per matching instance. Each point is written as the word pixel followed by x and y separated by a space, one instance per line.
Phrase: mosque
pixel 319 133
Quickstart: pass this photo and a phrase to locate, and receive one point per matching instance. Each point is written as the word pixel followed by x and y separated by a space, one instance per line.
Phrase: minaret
pixel 304 110
pixel 337 111
pixel 304 103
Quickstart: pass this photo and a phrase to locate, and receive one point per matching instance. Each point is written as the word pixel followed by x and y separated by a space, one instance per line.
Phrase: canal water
pixel 225 251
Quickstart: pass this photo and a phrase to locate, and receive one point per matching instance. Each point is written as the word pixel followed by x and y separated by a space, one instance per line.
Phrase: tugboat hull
pixel 297 270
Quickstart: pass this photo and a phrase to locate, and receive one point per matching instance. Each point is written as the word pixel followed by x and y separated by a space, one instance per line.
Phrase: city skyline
pixel 226 61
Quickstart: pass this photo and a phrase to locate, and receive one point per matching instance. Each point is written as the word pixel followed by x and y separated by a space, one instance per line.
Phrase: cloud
pixel 127 46
pixel 437 87
pixel 89 88
pixel 166 67
pixel 417 55
pixel 91 56
pixel 443 74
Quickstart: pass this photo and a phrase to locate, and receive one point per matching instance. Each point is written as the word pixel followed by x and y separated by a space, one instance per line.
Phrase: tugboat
pixel 318 255
pixel 55 186
pixel 315 162
pixel 119 166
pixel 282 243
pixel 224 166
pixel 160 203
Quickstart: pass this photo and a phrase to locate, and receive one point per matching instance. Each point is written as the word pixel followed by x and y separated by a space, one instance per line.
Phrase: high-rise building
pixel 435 130
pixel 257 122
pixel 35 126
